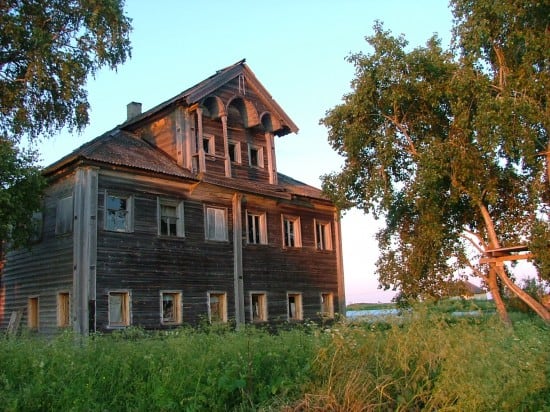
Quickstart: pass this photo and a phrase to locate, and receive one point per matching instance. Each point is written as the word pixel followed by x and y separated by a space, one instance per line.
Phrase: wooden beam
pixel 505 251
pixel 506 258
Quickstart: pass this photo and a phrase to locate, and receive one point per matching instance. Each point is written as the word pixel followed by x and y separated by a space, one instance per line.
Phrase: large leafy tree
pixel 452 148
pixel 48 49
pixel 20 186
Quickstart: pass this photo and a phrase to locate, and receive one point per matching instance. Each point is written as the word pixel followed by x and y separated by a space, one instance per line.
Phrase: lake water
pixel 353 314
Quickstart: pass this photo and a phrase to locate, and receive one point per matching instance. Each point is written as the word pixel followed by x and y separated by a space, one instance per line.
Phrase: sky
pixel 298 51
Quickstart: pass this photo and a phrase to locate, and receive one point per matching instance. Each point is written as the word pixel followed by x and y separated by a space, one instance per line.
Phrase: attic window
pixel 234 152
pixel 208 144
pixel 242 85
pixel 255 156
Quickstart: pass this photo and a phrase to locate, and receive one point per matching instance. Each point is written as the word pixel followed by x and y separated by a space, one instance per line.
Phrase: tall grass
pixel 188 370
pixel 421 361
pixel 433 362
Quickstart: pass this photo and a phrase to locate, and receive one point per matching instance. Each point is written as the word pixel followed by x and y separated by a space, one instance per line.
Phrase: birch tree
pixel 450 147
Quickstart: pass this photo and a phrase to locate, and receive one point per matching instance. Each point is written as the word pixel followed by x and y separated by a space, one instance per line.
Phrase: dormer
pixel 225 126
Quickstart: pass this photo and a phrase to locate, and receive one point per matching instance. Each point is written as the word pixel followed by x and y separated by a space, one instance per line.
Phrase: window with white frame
pixel 256 228
pixel 64 215
pixel 209 144
pixel 255 156
pixel 119 308
pixel 327 305
pixel 63 309
pixel 258 307
pixel 323 236
pixel 234 149
pixel 291 231
pixel 118 213
pixel 217 307
pixel 294 301
pixel 170 218
pixel 171 307
pixel 216 224
pixel 33 313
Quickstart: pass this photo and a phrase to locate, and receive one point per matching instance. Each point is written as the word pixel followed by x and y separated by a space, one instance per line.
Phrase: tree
pixel 20 186
pixel 451 147
pixel 48 48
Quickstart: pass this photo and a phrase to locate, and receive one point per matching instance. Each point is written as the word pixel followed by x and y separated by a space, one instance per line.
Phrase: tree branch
pixel 478 272
pixel 399 126
pixel 478 237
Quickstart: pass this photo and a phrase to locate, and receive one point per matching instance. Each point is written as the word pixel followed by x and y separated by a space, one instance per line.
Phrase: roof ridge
pixel 181 95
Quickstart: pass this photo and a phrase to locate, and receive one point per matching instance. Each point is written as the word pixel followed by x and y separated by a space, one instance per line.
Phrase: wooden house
pixel 179 215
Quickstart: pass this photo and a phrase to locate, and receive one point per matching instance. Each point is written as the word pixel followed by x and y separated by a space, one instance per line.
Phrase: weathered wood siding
pixel 144 264
pixel 162 134
pixel 278 270
pixel 42 271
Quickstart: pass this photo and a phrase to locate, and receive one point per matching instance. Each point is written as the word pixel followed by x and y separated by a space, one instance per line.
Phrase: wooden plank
pixel 506 258
pixel 15 320
pixel 504 251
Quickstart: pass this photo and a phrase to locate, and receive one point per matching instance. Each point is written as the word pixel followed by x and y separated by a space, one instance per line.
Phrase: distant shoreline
pixel 370 306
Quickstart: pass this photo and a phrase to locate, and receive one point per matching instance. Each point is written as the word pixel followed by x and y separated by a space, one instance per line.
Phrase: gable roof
pixel 120 147
pixel 206 87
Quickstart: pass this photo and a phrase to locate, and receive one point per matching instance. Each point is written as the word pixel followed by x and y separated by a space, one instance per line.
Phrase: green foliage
pixel 181 370
pixel 21 185
pixel 424 360
pixel 444 143
pixel 539 247
pixel 48 48
pixel 534 288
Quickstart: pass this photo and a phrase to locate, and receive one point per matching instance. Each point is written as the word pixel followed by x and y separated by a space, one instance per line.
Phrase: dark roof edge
pixel 76 154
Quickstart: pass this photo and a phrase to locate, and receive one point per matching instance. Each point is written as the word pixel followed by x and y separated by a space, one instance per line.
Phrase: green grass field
pixel 426 360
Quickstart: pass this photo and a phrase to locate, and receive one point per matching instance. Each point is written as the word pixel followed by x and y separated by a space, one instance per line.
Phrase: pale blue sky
pixel 296 48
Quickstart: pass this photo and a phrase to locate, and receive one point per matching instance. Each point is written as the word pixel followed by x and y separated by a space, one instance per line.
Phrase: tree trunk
pixel 499 268
pixel 536 306
pixel 495 292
